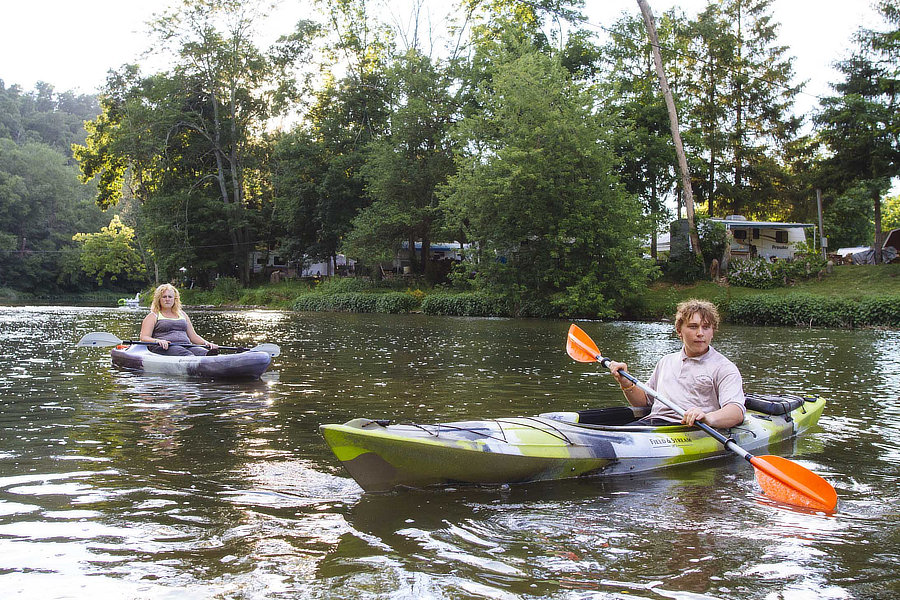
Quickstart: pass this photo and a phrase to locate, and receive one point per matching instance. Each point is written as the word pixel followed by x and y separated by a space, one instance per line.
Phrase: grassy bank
pixel 852 296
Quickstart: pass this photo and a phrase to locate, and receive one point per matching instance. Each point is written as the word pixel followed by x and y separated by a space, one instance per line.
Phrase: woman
pixel 705 384
pixel 167 323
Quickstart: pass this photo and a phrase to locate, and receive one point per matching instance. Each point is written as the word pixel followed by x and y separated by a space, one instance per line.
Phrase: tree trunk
pixel 673 124
pixel 879 241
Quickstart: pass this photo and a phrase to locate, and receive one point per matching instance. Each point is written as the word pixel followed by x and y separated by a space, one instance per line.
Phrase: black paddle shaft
pixel 183 345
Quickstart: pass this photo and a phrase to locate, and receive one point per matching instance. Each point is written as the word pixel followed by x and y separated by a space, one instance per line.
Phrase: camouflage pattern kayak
pixel 381 456
pixel 243 365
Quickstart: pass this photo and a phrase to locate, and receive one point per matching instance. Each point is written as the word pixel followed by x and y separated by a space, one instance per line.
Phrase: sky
pixel 72 45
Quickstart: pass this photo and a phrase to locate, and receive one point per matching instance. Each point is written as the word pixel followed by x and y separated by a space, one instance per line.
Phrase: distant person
pixel 167 323
pixel 705 384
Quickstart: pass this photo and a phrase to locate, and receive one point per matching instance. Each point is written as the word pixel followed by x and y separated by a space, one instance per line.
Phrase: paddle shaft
pixel 183 345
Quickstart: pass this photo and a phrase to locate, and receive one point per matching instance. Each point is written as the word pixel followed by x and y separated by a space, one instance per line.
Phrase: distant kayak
pixel 381 456
pixel 243 365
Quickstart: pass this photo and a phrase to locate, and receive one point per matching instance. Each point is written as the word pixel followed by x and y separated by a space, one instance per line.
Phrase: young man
pixel 705 384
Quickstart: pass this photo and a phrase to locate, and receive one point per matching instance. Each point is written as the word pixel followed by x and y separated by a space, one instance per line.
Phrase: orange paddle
pixel 779 478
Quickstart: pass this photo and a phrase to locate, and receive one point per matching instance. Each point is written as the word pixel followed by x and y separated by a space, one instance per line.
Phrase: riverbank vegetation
pixel 851 296
pixel 539 150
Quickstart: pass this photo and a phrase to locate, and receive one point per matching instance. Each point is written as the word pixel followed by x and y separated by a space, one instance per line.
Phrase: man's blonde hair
pixel 687 309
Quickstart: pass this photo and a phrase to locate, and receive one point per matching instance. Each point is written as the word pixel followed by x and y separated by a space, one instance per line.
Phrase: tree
pixel 536 191
pixel 673 126
pixel 42 204
pixel 860 127
pixel 194 134
pixel 741 96
pixel 111 254
pixel 644 141
pixel 406 166
pixel 890 216
pixel 318 181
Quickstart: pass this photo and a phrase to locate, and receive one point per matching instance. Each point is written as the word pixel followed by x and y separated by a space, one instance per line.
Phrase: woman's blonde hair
pixel 687 309
pixel 157 295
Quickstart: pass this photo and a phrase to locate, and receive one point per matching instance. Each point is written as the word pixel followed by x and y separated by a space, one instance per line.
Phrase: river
pixel 119 485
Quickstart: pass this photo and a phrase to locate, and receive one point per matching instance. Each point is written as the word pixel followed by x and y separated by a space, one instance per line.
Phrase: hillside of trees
pixel 525 136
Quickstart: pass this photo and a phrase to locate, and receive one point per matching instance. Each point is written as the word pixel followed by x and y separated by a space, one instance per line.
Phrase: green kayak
pixel 381 456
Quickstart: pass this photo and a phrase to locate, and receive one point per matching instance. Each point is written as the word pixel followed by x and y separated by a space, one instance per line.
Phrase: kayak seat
pixel 775 404
pixel 615 415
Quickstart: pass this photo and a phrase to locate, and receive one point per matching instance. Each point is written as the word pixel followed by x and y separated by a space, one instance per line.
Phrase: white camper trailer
pixel 764 239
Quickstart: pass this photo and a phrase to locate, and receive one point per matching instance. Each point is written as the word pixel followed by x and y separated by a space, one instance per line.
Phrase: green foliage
pixel 227 287
pixel 752 273
pixel 686 268
pixel 761 274
pixel 191 140
pixel 344 285
pixel 395 303
pixel 536 188
pixel 890 213
pixel 42 205
pixel 584 299
pixel 45 117
pixel 317 167
pixel 879 311
pixel 110 254
pixel 792 310
pixel 356 294
pixel 737 84
pixel 713 238
pixel 345 302
pixel 807 310
pixel 849 218
pixel 405 167
pixel 859 123
pixel 468 304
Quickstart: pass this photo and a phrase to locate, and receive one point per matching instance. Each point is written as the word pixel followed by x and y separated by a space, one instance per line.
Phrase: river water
pixel 118 485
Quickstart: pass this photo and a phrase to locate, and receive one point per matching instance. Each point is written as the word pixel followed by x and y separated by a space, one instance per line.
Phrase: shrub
pixel 349 302
pixel 468 304
pixel 395 303
pixel 685 269
pixel 227 288
pixel 752 273
pixel 803 266
pixel 761 274
pixel 344 285
pixel 879 311
pixel 815 311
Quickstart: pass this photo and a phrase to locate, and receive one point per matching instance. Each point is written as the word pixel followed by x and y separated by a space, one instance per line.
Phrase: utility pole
pixel 822 239
pixel 673 125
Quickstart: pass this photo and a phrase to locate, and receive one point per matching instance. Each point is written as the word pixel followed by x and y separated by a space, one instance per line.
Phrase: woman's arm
pixel 147 326
pixel 194 336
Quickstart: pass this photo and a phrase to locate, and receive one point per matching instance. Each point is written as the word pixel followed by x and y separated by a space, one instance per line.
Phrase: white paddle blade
pixel 98 339
pixel 271 349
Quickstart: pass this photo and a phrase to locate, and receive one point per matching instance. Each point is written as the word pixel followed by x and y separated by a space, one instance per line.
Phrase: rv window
pixel 781 237
pixel 740 234
pixel 756 233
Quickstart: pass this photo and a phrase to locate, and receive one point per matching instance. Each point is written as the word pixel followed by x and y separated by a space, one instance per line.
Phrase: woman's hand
pixel 164 344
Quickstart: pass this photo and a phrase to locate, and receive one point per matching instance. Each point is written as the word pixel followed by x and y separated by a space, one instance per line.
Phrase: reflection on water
pixel 113 484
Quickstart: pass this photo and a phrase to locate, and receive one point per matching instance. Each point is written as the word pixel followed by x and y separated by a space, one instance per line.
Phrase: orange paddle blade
pixel 786 481
pixel 580 346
